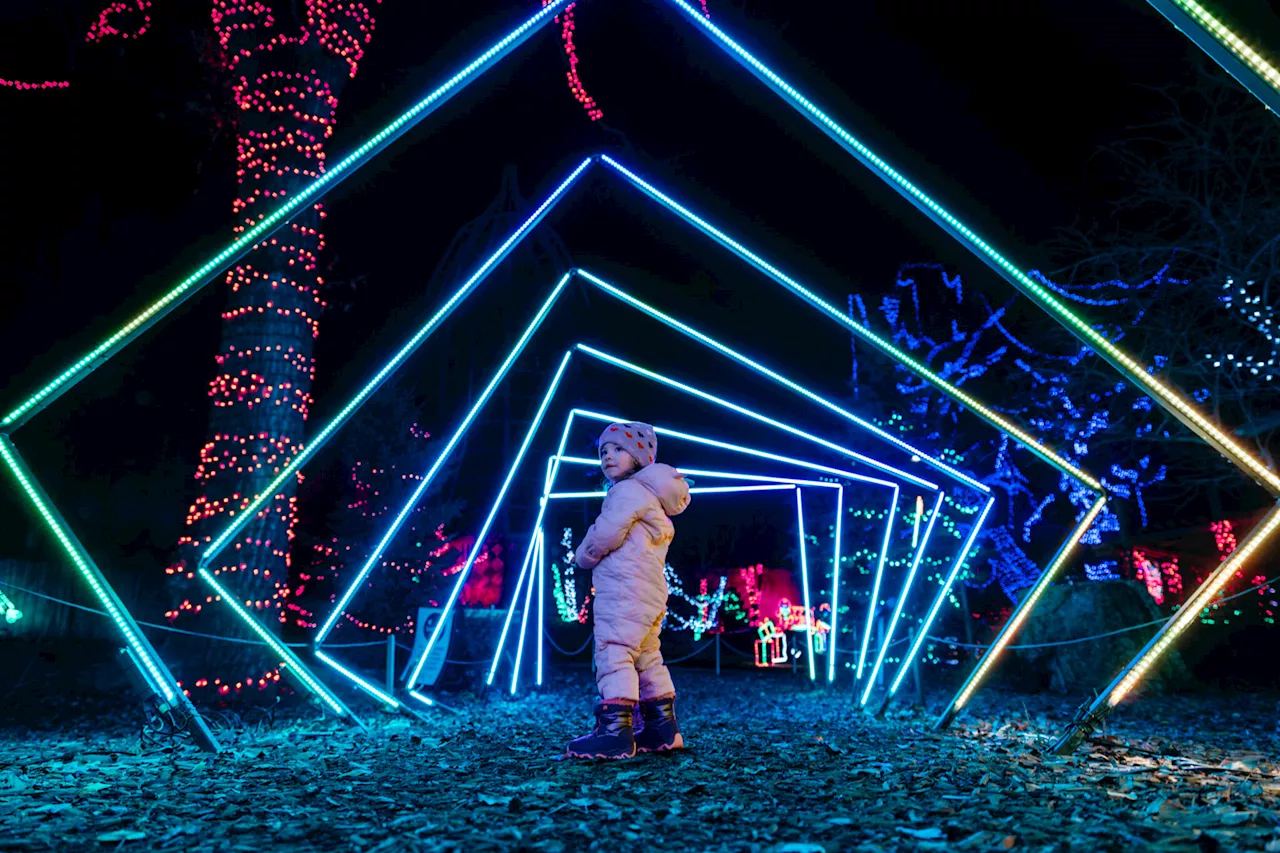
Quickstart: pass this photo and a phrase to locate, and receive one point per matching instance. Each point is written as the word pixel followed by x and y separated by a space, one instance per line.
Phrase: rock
pixel 1071 611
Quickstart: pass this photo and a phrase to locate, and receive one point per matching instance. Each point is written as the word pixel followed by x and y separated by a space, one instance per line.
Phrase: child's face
pixel 616 462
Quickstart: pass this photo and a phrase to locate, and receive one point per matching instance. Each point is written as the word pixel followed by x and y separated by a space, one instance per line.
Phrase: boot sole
pixel 600 756
pixel 678 743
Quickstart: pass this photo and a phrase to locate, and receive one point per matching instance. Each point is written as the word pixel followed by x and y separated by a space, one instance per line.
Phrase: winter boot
pixel 660 732
pixel 612 736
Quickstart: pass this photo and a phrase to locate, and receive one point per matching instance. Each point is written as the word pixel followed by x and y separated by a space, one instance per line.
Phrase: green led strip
pixel 1238 48
pixel 279 217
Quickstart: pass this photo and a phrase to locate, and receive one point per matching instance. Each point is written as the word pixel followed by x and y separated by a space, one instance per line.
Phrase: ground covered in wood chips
pixel 772 766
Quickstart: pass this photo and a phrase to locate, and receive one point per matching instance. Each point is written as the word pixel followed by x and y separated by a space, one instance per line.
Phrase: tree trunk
pixel 285 79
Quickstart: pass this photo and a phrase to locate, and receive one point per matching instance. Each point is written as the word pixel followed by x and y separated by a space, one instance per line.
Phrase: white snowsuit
pixel 627 548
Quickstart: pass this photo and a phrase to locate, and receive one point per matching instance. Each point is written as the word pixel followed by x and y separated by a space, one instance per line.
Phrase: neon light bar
pixel 423 699
pixel 995 419
pixel 541 581
pixel 1168 633
pixel 515 596
pixel 1170 399
pixel 1019 616
pixel 249 512
pixel 804 577
pixel 1224 47
pixel 524 630
pixel 781 380
pixel 335 173
pixel 956 568
pixel 711 398
pixel 493 513
pixel 835 587
pixel 902 600
pixel 875 591
pixel 363 684
pixel 291 661
pixel 429 477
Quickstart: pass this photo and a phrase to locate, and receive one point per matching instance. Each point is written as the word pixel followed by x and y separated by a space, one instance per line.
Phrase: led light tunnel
pixel 429 477
pixel 549 478
pixel 279 217
pixel 703 473
pixel 555 461
pixel 539 549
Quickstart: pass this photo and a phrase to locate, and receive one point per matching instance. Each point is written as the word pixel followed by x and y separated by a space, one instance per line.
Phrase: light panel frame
pixel 613 361
pixel 501 373
pixel 539 556
pixel 555 461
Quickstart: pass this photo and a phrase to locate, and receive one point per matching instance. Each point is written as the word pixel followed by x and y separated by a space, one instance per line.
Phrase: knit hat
pixel 636 438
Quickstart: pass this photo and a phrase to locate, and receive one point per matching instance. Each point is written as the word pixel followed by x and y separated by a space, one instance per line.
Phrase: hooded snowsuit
pixel 627 548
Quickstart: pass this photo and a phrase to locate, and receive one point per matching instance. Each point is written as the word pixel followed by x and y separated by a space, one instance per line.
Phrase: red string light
pixel 46 84
pixel 135 19
pixel 568 27
pixel 284 84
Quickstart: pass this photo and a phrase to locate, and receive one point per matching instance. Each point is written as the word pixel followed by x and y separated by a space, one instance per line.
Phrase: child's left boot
pixel 660 732
pixel 611 738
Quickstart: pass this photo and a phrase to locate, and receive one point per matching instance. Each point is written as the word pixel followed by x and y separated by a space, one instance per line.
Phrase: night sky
pixel 121 185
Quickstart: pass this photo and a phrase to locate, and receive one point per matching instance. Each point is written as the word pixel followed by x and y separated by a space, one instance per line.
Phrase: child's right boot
pixel 611 738
pixel 661 732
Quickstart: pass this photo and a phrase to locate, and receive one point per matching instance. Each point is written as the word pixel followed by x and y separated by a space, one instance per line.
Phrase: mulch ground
pixel 772 767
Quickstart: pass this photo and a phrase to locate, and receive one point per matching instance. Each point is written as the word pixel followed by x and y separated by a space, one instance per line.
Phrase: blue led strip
pixel 862 332
pixel 488 522
pixel 961 559
pixel 381 695
pixel 152 669
pixel 278 218
pixel 872 605
pixel 902 600
pixel 745 412
pixel 835 586
pixel 1170 399
pixel 685 329
pixel 555 461
pixel 481 273
pixel 441 458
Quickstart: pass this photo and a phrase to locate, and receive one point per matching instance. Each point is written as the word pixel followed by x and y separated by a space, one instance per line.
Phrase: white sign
pixel 428 618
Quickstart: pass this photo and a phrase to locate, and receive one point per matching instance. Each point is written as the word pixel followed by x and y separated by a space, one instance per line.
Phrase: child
pixel 627 547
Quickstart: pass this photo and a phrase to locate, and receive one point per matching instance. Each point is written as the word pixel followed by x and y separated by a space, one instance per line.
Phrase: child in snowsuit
pixel 627 547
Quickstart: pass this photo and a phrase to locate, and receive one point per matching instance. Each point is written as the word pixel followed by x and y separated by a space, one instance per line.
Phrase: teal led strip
pixel 1170 399
pixel 336 173
pixel 293 665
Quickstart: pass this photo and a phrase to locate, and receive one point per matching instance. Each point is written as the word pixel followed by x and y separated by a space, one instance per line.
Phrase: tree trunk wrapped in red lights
pixel 286 71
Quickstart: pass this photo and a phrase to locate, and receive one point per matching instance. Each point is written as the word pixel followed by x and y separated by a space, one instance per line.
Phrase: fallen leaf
pixel 930 834
pixel 121 835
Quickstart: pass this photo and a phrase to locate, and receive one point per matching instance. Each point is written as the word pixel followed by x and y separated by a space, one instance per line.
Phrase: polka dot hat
pixel 636 438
